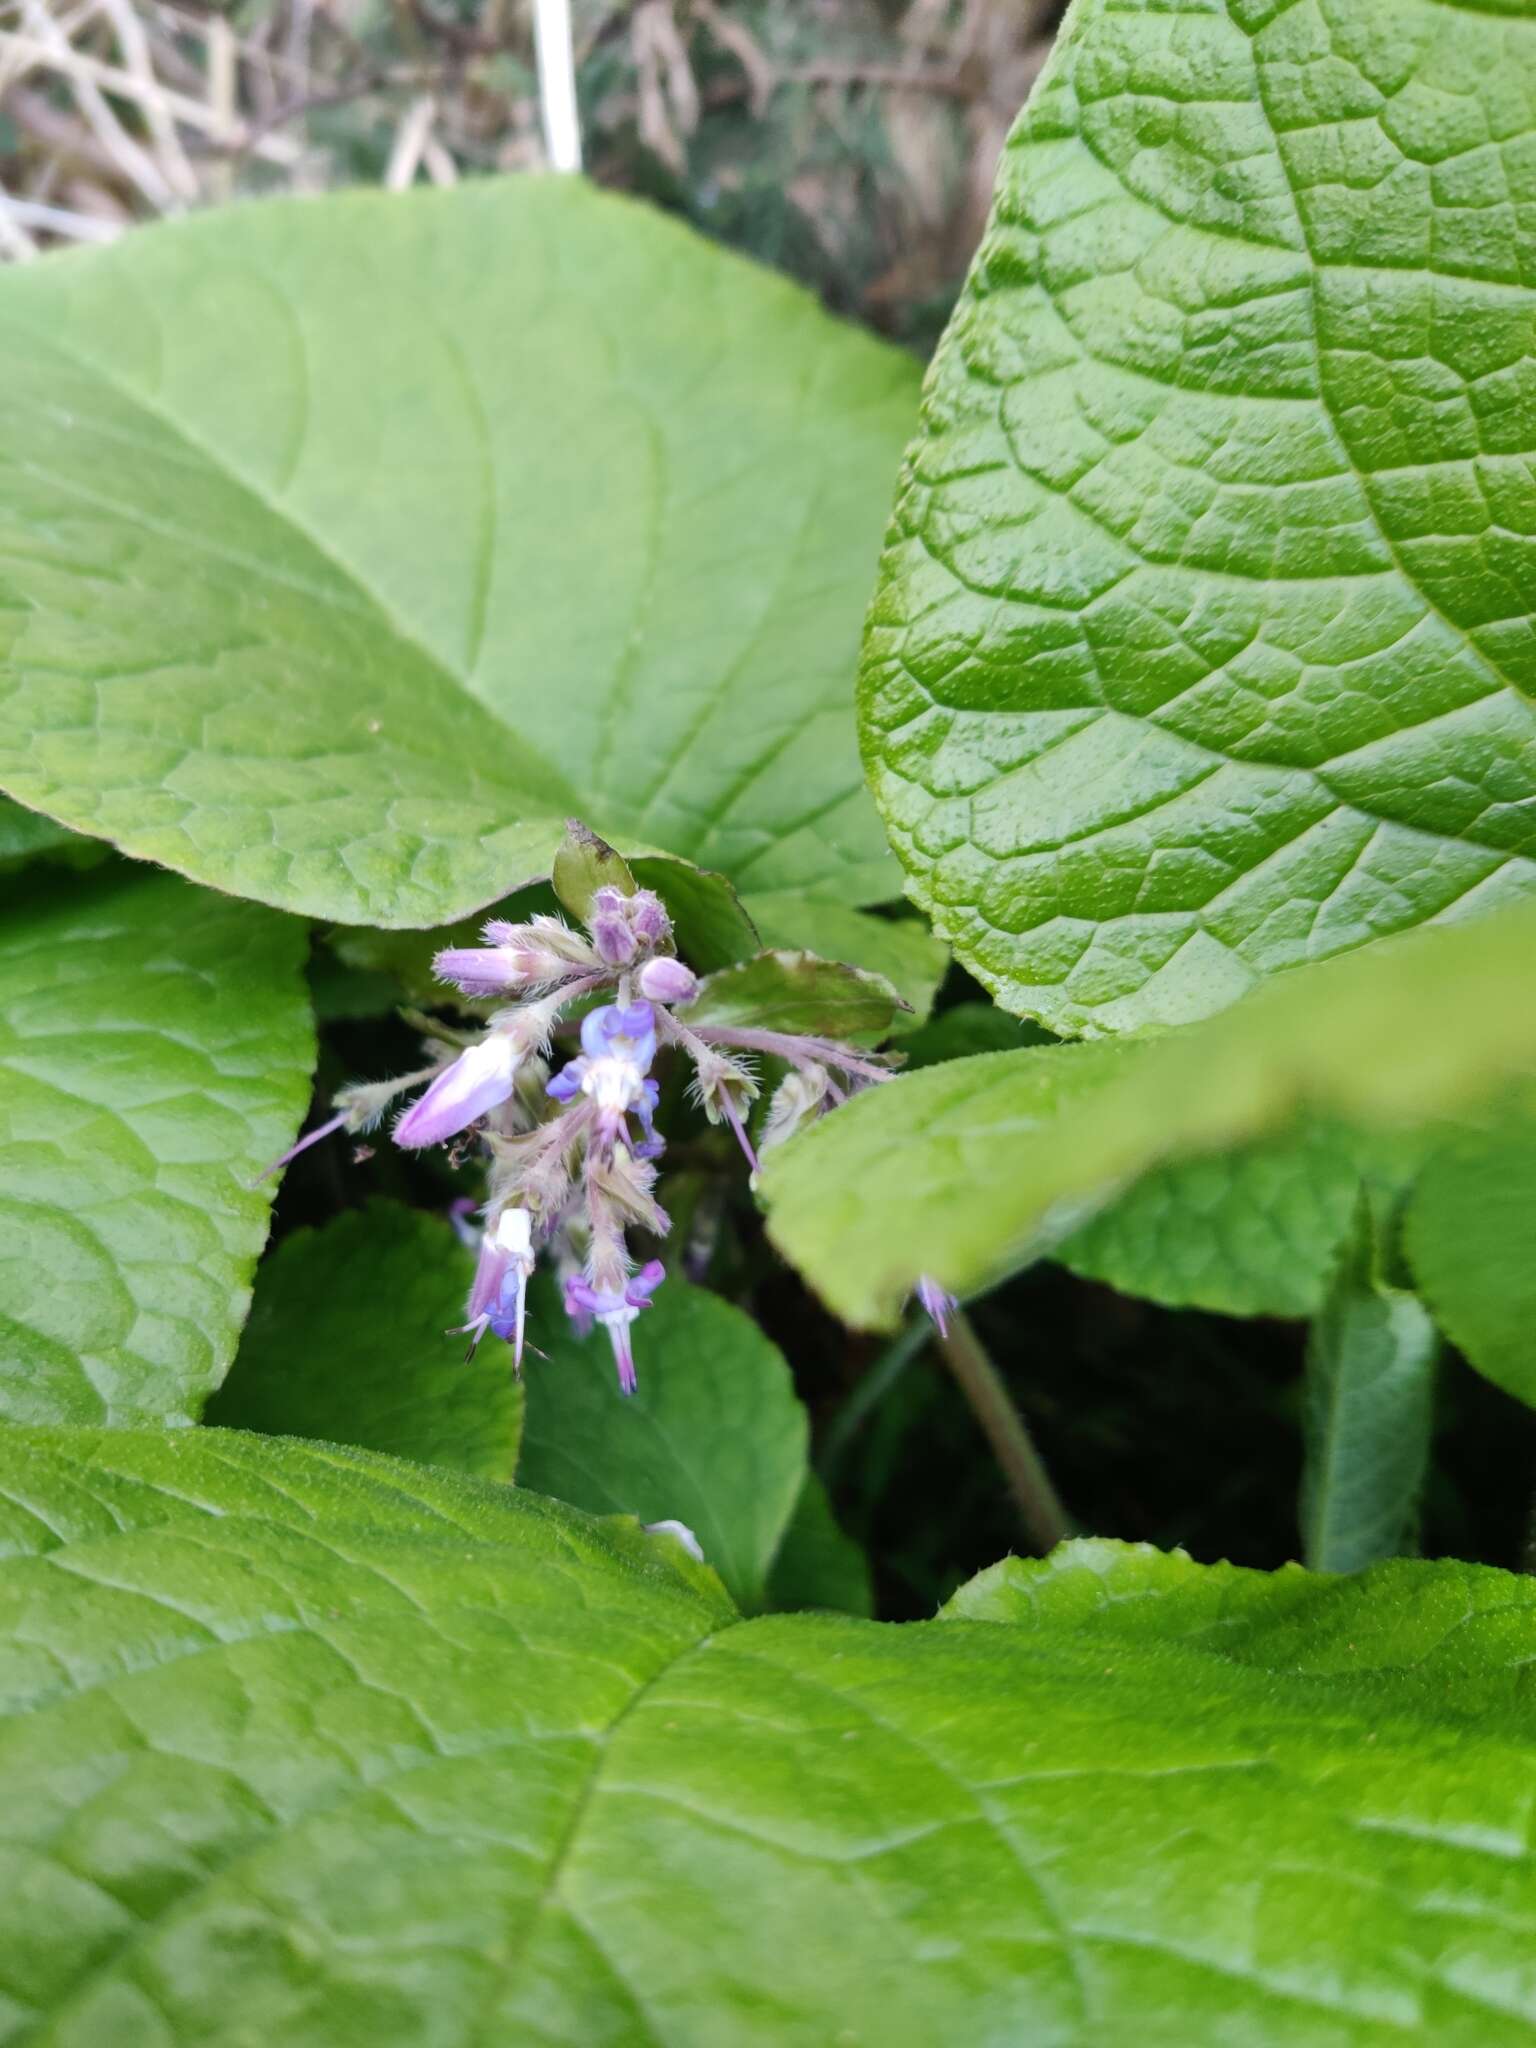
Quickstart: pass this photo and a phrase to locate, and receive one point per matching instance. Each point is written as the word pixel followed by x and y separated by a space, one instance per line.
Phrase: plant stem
pixel 869 1393
pixel 1040 1509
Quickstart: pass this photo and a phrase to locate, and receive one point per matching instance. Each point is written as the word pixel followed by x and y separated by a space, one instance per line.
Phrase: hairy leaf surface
pixel 1203 645
pixel 1252 1232
pixel 314 1747
pixel 155 1052
pixel 347 545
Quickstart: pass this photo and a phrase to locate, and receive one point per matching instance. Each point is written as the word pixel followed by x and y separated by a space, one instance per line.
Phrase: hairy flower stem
pixel 790 1046
pixel 1045 1519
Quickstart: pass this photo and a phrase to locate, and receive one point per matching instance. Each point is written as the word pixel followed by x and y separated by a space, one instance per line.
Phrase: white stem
pixel 57 220
pixel 411 139
pixel 557 84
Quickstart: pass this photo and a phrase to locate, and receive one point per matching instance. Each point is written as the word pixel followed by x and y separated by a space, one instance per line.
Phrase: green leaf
pixel 341 993
pixel 713 1436
pixel 1469 1234
pixel 26 836
pixel 348 1341
pixel 428 520
pixel 796 992
pixel 156 1046
pixel 1253 1232
pixel 711 924
pixel 817 1565
pixel 971 1169
pixel 1369 1411
pixel 902 949
pixel 966 1029
pixel 314 1747
pixel 583 865
pixel 1201 646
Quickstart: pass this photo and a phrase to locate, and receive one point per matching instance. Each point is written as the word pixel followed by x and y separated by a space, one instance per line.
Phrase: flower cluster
pixel 572 1148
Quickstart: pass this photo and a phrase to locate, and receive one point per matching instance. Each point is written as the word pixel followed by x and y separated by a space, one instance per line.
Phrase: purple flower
pixel 668 981
pixel 651 924
pixel 575 1294
pixel 459 1214
pixel 617 1047
pixel 653 1144
pixel 517 956
pixel 498 1296
pixel 479 1079
pixel 615 1310
pixel 477 970
pixel 612 933
pixel 937 1302
pixel 625 928
pixel 628 1034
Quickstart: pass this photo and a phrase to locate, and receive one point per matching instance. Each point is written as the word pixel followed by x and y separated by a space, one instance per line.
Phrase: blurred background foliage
pixel 851 143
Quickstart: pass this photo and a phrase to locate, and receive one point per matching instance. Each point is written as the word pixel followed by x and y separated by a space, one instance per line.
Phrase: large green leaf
pixel 1252 1232
pixel 1470 1237
pixel 345 546
pixel 1202 645
pixel 713 1436
pixel 313 1747
pixel 156 1046
pixel 348 1341
pixel 969 1169
pixel 818 1564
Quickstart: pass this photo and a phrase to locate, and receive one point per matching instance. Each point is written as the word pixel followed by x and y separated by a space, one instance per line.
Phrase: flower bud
pixel 479 1080
pixel 648 920
pixel 480 970
pixel 613 939
pixel 665 980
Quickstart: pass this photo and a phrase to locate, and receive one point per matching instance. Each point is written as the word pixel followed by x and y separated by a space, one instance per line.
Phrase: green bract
pixel 1202 644
pixel 314 1747
pixel 155 1043
pixel 426 521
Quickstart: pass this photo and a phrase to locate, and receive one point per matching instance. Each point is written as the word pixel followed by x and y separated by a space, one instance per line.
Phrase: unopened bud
pixel 613 939
pixel 648 920
pixel 665 980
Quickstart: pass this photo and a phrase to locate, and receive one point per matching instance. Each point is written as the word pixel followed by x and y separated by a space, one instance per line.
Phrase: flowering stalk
pixel 572 1156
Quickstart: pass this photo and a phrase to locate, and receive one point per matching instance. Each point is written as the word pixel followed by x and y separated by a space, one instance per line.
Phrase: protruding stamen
pixel 938 1303
pixel 336 1123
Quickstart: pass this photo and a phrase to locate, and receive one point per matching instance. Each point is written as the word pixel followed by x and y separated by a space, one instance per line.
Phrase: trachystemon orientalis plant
pixel 572 1144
